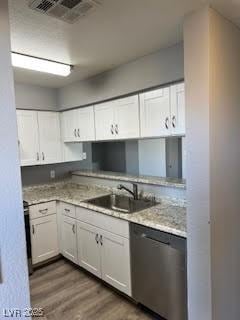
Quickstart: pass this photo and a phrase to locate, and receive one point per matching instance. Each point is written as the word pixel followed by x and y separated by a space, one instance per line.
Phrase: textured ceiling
pixel 117 32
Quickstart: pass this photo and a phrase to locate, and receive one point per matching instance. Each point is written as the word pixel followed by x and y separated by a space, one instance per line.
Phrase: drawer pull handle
pixel 67 210
pixel 101 240
pixel 43 211
pixel 33 229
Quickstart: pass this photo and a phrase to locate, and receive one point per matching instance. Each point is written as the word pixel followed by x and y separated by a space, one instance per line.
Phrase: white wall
pixel 197 86
pixel 152 70
pixel 14 289
pixel 212 77
pixel 35 97
pixel 225 167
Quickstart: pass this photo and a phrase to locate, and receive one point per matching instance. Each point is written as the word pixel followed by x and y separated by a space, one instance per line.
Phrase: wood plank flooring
pixel 65 292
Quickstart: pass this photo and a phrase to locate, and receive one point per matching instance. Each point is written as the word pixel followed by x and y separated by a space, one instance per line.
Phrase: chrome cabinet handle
pixel 116 129
pixel 43 211
pixel 75 133
pixel 43 156
pixel 167 123
pixel 33 229
pixel 38 158
pixel 174 122
pixel 112 129
pixel 66 210
pixel 101 240
pixel 78 132
pixel 96 238
pixel 73 228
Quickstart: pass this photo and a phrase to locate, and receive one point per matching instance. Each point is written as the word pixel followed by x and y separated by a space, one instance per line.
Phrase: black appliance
pixel 28 236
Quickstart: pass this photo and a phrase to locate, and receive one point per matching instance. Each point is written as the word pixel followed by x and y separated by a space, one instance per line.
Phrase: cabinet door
pixel 72 151
pixel 126 124
pixel 44 238
pixel 28 137
pixel 49 137
pixel 104 121
pixel 85 126
pixel 178 109
pixel 155 113
pixel 88 248
pixel 116 261
pixel 69 238
pixel 69 125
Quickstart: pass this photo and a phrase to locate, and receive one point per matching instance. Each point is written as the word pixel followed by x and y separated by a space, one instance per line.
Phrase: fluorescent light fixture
pixel 42 65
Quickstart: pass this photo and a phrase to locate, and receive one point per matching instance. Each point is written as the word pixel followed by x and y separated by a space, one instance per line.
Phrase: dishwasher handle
pixel 149 237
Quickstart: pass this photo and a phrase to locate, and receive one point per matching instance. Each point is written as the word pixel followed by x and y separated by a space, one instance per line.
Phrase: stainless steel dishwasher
pixel 158 263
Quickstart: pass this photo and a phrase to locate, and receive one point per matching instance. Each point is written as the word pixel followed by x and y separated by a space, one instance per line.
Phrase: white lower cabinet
pixel 69 238
pixel 44 238
pixel 88 249
pixel 115 258
pixel 97 243
pixel 102 252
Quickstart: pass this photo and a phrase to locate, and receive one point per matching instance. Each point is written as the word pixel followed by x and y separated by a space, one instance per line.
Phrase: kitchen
pixel 121 162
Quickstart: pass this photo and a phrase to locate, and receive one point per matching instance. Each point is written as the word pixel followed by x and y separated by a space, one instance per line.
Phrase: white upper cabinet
pixel 72 151
pixel 78 125
pixel 86 127
pixel 127 118
pixel 69 125
pixel 49 137
pixel 178 109
pixel 155 113
pixel 39 137
pixel 118 119
pixel 162 112
pixel 104 121
pixel 28 138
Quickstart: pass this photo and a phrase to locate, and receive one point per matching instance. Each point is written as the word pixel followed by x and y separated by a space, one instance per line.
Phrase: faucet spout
pixel 134 193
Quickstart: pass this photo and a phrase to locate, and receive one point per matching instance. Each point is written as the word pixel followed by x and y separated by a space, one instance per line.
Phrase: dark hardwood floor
pixel 68 293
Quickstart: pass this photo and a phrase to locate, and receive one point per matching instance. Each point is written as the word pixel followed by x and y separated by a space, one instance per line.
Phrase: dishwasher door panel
pixel 177 290
pixel 149 281
pixel 159 272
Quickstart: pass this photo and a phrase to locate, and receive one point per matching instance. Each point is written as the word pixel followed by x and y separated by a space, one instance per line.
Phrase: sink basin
pixel 121 203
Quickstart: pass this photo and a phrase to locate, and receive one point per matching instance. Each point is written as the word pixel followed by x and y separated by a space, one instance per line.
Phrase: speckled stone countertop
pixel 157 181
pixel 164 216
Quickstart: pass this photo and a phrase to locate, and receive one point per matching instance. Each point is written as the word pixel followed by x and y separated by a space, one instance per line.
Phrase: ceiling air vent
pixel 66 10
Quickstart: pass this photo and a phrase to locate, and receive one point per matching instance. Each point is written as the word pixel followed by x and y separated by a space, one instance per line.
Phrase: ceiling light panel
pixel 41 65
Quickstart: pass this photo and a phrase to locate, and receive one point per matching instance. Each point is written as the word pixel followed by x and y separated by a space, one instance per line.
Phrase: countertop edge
pixel 129 179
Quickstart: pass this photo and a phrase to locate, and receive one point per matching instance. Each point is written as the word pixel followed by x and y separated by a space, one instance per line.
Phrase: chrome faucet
pixel 134 193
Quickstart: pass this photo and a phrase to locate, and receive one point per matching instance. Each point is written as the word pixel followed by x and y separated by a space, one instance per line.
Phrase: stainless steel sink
pixel 121 203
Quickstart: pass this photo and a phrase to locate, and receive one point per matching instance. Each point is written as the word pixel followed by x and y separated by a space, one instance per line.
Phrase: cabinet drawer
pixel 67 209
pixel 42 209
pixel 111 224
